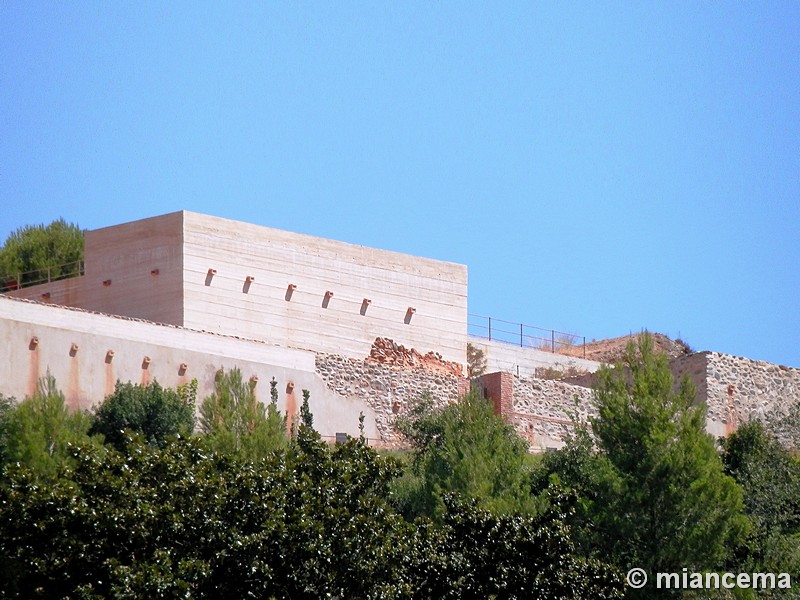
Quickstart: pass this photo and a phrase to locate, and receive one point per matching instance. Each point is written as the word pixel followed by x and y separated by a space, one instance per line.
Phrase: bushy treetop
pixel 33 249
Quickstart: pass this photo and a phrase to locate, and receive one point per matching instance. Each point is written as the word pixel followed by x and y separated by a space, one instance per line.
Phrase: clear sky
pixel 601 167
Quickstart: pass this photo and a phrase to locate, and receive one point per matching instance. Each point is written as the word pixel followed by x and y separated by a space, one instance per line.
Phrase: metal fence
pixel 15 281
pixel 525 336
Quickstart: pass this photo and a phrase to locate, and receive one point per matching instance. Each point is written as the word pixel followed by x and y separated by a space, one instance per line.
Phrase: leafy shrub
pixel 150 410
pixel 41 429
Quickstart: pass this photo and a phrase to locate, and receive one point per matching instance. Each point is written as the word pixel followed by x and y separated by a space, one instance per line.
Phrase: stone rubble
pixel 387 352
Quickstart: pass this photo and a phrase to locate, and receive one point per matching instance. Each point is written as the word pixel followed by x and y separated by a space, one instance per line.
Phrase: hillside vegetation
pixel 126 503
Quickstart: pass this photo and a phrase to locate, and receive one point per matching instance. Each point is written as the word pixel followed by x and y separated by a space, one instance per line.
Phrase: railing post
pixel 553 340
pixel 490 328
pixel 584 346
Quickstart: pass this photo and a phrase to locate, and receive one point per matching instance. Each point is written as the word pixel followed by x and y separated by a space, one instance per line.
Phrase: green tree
pixel 462 448
pixel 770 478
pixel 33 249
pixel 477 553
pixel 308 521
pixel 667 502
pixel 235 422
pixel 580 468
pixel 150 410
pixel 41 429
pixel 6 409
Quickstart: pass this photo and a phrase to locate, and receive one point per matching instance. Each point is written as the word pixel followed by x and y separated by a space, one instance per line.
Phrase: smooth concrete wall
pixel 523 362
pixel 134 269
pixel 392 282
pixel 73 345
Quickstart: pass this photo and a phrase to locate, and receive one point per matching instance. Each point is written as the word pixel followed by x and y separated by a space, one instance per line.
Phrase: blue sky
pixel 601 167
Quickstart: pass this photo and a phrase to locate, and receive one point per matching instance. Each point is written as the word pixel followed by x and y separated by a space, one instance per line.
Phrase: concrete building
pixel 287 289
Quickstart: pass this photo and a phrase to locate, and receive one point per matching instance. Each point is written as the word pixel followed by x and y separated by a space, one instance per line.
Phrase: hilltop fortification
pixel 178 297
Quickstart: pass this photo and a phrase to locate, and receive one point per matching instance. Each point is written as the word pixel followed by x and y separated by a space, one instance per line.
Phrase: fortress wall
pixel 735 389
pixel 740 389
pixel 388 390
pixel 87 373
pixel 134 269
pixel 158 269
pixel 542 410
pixel 524 362
pixel 343 325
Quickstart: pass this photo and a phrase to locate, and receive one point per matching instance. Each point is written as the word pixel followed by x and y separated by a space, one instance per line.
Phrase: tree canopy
pixel 150 410
pixel 463 448
pixel 671 504
pixel 235 422
pixel 652 492
pixel 40 430
pixel 309 520
pixel 770 479
pixel 35 252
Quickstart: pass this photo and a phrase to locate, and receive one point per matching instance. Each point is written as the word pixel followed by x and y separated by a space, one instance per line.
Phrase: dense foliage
pixel 150 410
pixel 34 249
pixel 309 521
pixel 249 510
pixel 462 448
pixel 770 479
pixel 40 430
pixel 652 490
pixel 235 422
pixel 671 504
pixel 6 410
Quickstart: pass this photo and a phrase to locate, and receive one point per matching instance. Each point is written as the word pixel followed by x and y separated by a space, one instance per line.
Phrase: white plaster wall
pixel 86 378
pixel 391 281
pixel 523 362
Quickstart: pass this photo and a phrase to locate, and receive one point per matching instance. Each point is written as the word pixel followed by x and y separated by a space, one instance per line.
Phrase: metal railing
pixel 525 336
pixel 15 281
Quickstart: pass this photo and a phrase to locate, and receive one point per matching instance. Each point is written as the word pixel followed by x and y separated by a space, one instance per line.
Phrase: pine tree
pixel 668 502
pixel 236 423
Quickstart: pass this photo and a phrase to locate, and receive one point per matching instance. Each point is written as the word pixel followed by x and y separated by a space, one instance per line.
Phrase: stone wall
pixel 542 409
pixel 538 409
pixel 388 390
pixel 735 390
pixel 740 389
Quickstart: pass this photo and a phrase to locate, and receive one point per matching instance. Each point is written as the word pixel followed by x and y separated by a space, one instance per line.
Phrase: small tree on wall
pixel 476 361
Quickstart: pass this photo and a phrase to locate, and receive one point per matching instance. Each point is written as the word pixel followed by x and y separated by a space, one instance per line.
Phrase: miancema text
pixel 706 581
